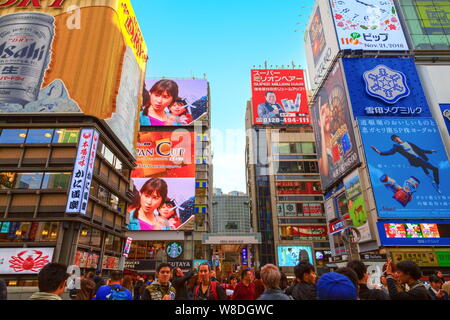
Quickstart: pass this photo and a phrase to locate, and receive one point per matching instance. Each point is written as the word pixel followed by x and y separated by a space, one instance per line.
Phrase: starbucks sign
pixel 174 249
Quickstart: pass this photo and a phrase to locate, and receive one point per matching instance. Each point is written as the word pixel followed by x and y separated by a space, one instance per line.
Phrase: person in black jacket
pixel 179 280
pixel 436 288
pixel 3 290
pixel 415 155
pixel 305 289
pixel 408 273
pixel 364 292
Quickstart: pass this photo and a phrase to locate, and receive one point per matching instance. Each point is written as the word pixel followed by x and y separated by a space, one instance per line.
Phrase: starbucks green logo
pixel 174 249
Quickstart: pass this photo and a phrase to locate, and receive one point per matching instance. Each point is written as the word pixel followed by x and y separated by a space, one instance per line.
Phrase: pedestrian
pixel 127 283
pixel 305 289
pixel 52 280
pixel 351 274
pixel 114 289
pixel 179 281
pixel 99 281
pixel 283 281
pixel 271 276
pixel 408 273
pixel 336 286
pixel 190 286
pixel 87 290
pixel 138 288
pixel 436 288
pixel 245 289
pixel 208 289
pixel 90 275
pixel 3 290
pixel 364 293
pixel 259 286
pixel 438 273
pixel 384 286
pixel 161 289
pixel 213 275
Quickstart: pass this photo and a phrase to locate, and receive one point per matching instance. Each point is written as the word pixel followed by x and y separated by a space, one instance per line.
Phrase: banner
pixel 169 154
pixel 290 256
pixel 162 204
pixel 414 233
pixel 388 87
pixel 368 25
pixel 408 167
pixel 173 102
pixel 24 260
pixel 279 97
pixel 333 129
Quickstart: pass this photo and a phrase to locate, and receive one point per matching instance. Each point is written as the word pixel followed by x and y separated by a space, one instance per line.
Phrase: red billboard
pixel 279 96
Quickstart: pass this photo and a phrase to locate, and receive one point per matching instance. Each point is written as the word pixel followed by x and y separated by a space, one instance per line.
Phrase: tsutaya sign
pixel 250 239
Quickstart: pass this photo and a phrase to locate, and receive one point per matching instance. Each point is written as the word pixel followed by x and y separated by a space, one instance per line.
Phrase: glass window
pixel 117 244
pixel 109 156
pixel 66 136
pixel 7 180
pixel 28 180
pixel 308 147
pixel 39 136
pixel 13 135
pixel 96 238
pixel 47 231
pixel 109 241
pixel 114 201
pixel 103 194
pixel 118 164
pixel 85 236
pixel 56 180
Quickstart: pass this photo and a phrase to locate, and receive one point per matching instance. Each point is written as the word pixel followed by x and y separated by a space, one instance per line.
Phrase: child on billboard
pixel 168 211
pixel 179 113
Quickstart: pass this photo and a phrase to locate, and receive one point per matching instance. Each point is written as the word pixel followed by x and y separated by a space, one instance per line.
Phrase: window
pixel 13 135
pixel 28 180
pixel 39 136
pixel 28 231
pixel 85 236
pixel 66 136
pixel 48 231
pixel 114 201
pixel 109 156
pixel 308 147
pixel 56 180
pixel 96 238
pixel 109 242
pixel 103 194
pixel 7 180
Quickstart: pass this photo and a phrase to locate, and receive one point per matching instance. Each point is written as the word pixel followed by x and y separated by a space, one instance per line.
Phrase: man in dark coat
pixel 179 281
pixel 305 289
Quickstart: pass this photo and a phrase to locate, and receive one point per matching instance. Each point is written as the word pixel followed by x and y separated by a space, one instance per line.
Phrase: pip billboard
pixel 368 25
pixel 162 204
pixel 167 154
pixel 388 87
pixel 408 167
pixel 333 129
pixel 173 102
pixel 279 97
pixel 107 65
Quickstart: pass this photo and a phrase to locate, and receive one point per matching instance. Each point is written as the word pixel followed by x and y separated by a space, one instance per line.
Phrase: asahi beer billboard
pixel 55 58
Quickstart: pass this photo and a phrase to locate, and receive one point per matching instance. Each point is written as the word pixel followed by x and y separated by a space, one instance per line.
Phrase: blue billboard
pixel 408 167
pixel 385 87
pixel 414 232
pixel 445 110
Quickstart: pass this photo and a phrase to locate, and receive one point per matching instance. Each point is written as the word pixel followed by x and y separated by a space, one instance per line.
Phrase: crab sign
pixel 29 263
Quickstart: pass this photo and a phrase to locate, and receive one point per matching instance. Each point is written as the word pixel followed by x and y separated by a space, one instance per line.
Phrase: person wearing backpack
pixel 114 290
pixel 161 289
pixel 207 289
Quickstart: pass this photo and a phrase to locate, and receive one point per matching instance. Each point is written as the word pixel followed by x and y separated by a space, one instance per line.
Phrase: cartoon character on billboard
pixel 416 157
pixel 270 108
pixel 401 194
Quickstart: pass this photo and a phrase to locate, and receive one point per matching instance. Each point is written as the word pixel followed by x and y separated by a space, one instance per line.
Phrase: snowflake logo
pixel 386 84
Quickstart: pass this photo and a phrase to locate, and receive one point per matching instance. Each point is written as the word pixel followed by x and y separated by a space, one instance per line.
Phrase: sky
pixel 224 40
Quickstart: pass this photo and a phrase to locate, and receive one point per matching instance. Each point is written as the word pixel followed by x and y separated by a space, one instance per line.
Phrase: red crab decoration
pixel 20 264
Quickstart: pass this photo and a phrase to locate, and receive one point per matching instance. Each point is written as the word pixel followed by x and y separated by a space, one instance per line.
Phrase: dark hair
pixel 410 268
pixel 159 87
pixel 163 265
pixel 359 267
pixel 394 136
pixel 244 272
pixel 349 273
pixel 116 275
pixel 232 277
pixel 268 93
pixel 172 203
pixel 150 186
pixel 90 275
pixel 151 276
pixel 52 276
pixel 145 97
pixel 174 272
pixel 205 264
pixel 303 268
pixel 283 281
pixel 435 279
pixel 183 102
pixel 258 274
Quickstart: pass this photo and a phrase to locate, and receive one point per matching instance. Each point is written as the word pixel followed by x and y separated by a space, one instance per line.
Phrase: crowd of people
pixel 400 281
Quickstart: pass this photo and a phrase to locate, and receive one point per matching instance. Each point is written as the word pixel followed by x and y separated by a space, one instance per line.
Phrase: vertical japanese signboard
pixel 82 172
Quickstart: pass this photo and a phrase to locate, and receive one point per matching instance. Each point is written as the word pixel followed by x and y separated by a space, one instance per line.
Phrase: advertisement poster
pixel 408 167
pixel 333 129
pixel 162 203
pixel 317 36
pixel 173 102
pixel 37 42
pixel 368 25
pixel 312 232
pixel 385 87
pixel 356 206
pixel 414 232
pixel 292 255
pixel 24 260
pixel 279 96
pixel 165 154
pixel 445 110
pixel 422 258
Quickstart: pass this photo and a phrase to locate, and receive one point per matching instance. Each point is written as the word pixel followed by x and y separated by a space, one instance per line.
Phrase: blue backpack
pixel 117 293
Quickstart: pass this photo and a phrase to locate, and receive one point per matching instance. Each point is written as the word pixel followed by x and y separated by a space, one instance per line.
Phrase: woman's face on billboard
pixel 159 101
pixel 149 202
pixel 325 117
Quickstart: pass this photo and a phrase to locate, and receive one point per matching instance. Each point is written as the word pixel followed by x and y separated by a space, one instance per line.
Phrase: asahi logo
pixel 29 3
pixel 28 52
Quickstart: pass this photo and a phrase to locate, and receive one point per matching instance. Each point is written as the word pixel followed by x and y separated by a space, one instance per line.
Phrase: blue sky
pixel 223 39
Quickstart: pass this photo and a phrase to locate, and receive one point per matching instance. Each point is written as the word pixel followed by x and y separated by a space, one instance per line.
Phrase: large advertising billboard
pixel 408 167
pixel 333 129
pixel 320 43
pixel 290 256
pixel 24 260
pixel 107 65
pixel 385 87
pixel 162 204
pixel 368 25
pixel 279 96
pixel 167 154
pixel 414 233
pixel 428 22
pixel 173 102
